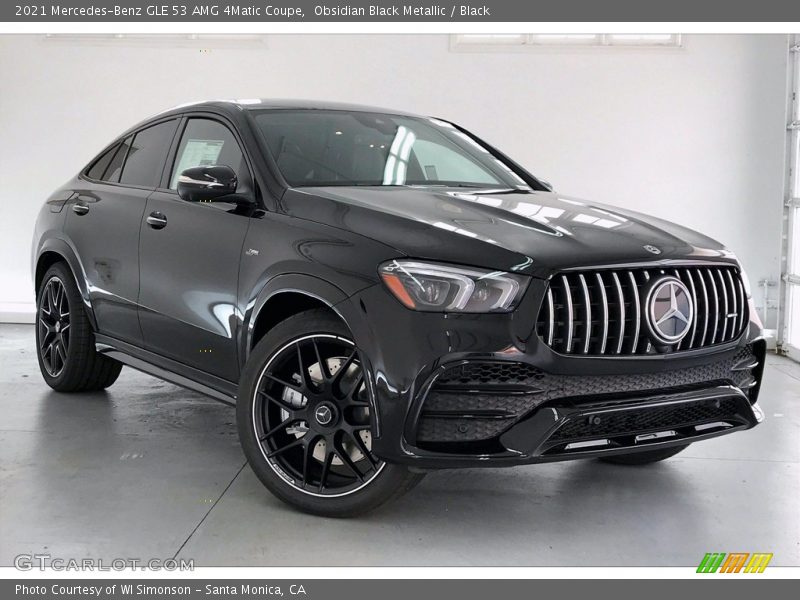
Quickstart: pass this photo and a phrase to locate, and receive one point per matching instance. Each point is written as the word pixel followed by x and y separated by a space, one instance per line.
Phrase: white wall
pixel 695 135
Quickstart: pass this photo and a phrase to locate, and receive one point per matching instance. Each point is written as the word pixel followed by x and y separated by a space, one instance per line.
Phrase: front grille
pixel 602 312
pixel 647 419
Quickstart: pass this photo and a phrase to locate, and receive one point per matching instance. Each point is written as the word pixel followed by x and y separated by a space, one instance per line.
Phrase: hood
pixel 534 232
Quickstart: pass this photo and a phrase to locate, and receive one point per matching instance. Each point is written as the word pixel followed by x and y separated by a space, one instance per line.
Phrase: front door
pixel 189 259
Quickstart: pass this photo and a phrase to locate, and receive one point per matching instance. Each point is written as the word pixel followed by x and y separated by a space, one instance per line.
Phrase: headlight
pixel 444 288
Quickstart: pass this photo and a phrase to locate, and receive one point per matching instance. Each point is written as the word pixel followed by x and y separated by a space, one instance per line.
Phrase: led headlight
pixel 444 288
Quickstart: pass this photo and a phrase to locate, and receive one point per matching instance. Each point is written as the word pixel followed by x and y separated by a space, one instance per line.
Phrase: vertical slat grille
pixel 601 313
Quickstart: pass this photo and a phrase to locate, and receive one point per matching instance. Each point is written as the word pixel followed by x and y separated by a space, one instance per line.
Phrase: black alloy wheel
pixel 54 326
pixel 312 416
pixel 65 342
pixel 306 415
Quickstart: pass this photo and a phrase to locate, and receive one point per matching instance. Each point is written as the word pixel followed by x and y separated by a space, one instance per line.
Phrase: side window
pixel 146 157
pixel 101 164
pixel 115 166
pixel 206 142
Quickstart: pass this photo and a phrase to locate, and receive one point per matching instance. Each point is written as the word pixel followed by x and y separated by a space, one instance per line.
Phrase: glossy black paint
pixel 178 288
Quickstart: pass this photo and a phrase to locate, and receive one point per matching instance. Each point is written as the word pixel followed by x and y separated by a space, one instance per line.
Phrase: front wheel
pixel 304 419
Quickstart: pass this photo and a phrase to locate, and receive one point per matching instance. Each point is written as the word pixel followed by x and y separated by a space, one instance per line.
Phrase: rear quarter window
pixel 100 165
pixel 145 161
pixel 115 166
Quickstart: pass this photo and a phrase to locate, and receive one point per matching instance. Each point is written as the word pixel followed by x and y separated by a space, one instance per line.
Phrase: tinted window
pixel 206 142
pixel 145 160
pixel 101 164
pixel 115 166
pixel 318 147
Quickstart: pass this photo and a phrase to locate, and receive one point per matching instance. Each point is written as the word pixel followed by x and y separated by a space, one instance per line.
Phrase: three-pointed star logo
pixel 323 415
pixel 670 311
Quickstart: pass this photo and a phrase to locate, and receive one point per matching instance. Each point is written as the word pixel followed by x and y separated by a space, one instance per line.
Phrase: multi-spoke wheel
pixel 54 326
pixel 305 420
pixel 311 415
pixel 64 338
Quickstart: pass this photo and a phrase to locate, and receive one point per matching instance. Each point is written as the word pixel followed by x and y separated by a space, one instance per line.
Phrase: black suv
pixel 381 294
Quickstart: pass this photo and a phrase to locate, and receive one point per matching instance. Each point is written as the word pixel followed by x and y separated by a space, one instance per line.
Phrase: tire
pixel 64 337
pixel 307 438
pixel 644 458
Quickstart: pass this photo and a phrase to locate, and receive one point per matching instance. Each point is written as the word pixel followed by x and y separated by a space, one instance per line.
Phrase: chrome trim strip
pixel 621 311
pixel 715 297
pixel 587 325
pixel 649 264
pixel 638 318
pixel 735 298
pixel 690 277
pixel 677 274
pixel 568 295
pixel 604 320
pixel 724 312
pixel 649 345
pixel 705 306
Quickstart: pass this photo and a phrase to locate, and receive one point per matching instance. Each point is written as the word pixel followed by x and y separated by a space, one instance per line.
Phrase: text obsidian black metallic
pixel 382 294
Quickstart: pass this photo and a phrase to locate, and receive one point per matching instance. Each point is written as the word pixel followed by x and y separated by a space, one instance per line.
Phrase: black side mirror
pixel 207 184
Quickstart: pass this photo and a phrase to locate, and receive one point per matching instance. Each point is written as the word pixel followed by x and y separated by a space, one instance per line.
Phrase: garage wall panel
pixel 694 135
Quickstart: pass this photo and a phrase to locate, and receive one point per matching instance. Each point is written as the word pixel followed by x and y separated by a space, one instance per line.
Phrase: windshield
pixel 333 147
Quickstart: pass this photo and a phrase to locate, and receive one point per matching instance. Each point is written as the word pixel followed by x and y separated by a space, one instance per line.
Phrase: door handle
pixel 157 220
pixel 80 209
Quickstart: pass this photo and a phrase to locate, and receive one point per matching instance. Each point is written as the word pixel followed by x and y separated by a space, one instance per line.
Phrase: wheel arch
pixel 57 250
pixel 285 296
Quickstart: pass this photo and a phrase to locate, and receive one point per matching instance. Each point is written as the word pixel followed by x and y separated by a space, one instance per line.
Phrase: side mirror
pixel 207 184
pixel 546 184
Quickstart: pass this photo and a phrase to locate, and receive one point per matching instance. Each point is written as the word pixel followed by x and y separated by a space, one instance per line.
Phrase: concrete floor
pixel 149 470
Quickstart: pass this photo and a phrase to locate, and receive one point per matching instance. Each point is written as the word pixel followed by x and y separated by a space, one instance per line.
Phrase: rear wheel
pixel 305 417
pixel 64 338
pixel 644 458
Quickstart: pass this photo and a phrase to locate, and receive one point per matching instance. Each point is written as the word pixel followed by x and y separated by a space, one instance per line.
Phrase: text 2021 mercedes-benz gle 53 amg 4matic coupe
pixel 382 294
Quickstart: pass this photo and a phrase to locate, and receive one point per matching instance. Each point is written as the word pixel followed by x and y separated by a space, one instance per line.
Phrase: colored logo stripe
pixel 735 562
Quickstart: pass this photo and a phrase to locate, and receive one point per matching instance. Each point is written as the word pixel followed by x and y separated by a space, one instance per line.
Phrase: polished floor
pixel 149 470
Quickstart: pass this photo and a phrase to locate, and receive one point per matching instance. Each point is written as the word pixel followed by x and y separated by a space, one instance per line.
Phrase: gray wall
pixel 694 135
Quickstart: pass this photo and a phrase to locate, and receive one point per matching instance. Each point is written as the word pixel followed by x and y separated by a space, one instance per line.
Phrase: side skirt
pixel 167 369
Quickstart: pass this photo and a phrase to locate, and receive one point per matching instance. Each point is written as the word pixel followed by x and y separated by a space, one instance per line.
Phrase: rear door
pixel 103 224
pixel 190 255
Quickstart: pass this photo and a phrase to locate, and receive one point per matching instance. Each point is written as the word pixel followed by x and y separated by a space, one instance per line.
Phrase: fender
pixel 300 283
pixel 63 248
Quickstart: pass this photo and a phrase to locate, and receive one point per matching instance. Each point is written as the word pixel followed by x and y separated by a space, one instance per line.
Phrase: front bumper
pixel 484 390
